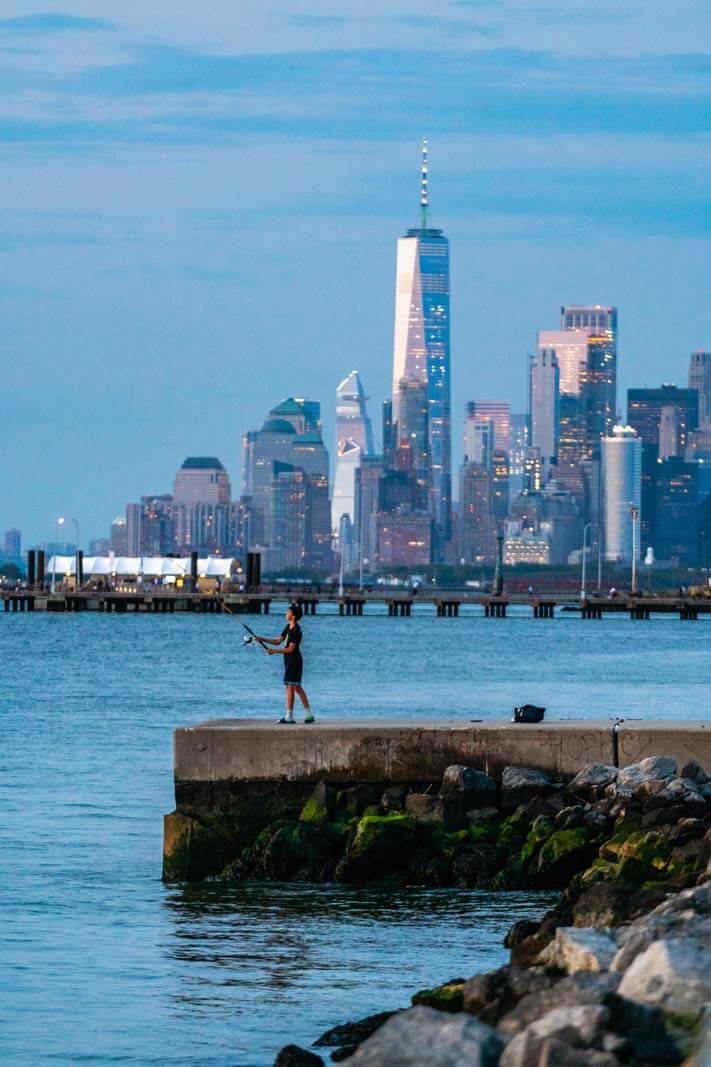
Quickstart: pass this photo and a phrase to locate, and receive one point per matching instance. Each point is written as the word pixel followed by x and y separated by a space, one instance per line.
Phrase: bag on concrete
pixel 528 713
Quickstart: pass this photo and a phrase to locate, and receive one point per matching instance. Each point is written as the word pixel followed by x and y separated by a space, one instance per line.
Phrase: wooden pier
pixel 403 604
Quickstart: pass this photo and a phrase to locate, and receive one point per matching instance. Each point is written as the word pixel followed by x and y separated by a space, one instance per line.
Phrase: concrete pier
pixel 249 750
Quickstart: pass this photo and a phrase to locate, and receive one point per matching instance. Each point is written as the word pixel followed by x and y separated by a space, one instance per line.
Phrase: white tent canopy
pixel 146 566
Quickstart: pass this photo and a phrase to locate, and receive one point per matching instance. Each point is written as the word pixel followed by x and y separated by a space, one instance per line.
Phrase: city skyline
pixel 191 168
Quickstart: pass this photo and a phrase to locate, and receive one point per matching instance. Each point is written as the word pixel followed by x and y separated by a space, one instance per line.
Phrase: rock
pixel 683 791
pixel 483 823
pixel 519 931
pixel 353 801
pixel 577 1025
pixel 447 997
pixel 696 773
pixel 569 818
pixel 346 1038
pixel 320 806
pixel 564 854
pixel 529 1051
pixel 475 788
pixel 584 987
pixel 610 905
pixel 424 1037
pixel 673 974
pixel 393 799
pixel 424 807
pixel 579 949
pixel 381 844
pixel 491 996
pixel 295 851
pixel 293 1056
pixel 591 782
pixel 476 866
pixel 519 785
pixel 654 768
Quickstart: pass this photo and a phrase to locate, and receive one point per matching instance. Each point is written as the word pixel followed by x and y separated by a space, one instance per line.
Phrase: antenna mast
pixel 424 193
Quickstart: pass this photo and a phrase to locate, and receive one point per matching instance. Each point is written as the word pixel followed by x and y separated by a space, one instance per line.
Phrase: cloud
pixel 52 22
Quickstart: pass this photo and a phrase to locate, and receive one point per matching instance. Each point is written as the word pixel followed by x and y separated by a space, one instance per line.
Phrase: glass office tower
pixel 421 349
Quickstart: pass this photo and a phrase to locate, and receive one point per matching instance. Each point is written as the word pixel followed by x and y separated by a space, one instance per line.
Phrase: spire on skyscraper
pixel 424 192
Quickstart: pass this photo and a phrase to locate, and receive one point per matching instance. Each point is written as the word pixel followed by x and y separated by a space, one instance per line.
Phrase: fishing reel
pixel 247 640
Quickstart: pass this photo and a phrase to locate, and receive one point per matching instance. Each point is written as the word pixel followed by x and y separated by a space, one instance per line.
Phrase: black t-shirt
pixel 292 636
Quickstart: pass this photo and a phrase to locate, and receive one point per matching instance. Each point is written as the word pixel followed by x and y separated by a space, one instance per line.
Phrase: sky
pixel 199 207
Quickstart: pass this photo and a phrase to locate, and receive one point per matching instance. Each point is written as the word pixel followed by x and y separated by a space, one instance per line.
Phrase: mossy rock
pixel 296 851
pixel 447 997
pixel 381 845
pixel 541 829
pixel 320 806
pixel 192 849
pixel 430 868
pixel 476 866
pixel 511 836
pixel 563 854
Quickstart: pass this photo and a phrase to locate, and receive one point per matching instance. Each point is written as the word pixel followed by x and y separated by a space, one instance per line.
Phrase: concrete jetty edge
pixel 251 750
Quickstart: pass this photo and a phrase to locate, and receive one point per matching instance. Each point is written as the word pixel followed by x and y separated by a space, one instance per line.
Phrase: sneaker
pixel 285 720
pixel 309 718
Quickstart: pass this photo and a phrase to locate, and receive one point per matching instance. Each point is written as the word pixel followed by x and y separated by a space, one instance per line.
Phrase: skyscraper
pixel 476 522
pixel 354 438
pixel 201 480
pixel 289 441
pixel 596 320
pixel 543 407
pixel 622 491
pixel 421 348
pixel 498 413
pixel 571 349
pixel 644 414
pixel 700 380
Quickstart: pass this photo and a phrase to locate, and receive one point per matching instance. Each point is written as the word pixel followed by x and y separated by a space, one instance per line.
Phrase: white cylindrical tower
pixel 622 491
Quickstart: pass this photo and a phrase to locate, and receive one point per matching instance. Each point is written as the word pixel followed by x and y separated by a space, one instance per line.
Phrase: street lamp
pixel 58 523
pixel 341 531
pixel 634 512
pixel 586 529
pixel 76 553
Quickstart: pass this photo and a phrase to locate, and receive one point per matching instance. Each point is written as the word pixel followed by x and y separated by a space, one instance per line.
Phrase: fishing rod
pixel 252 636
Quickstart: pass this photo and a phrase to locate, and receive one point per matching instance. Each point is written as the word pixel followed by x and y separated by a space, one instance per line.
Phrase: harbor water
pixel 103 963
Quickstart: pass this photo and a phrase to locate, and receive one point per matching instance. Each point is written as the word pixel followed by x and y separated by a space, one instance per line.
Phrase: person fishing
pixel 293 663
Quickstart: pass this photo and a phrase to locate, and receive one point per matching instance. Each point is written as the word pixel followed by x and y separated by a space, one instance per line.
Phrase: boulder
pixel 577 1025
pixel 381 844
pixel 447 997
pixel 606 904
pixel 563 854
pixel 592 781
pixel 673 974
pixel 579 949
pixel 321 805
pixel 424 807
pixel 685 792
pixel 491 996
pixel 584 987
pixel 353 801
pixel 654 768
pixel 344 1039
pixel 519 785
pixel 475 866
pixel 295 851
pixel 475 788
pixel 569 818
pixel 293 1056
pixel 526 1050
pixel 424 1037
pixel 695 772
pixel 393 799
pixel 519 931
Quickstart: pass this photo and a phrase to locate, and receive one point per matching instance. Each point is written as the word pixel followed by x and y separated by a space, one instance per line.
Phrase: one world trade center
pixel 421 353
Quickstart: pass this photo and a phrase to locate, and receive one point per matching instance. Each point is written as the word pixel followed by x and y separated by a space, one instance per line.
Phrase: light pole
pixel 599 557
pixel 634 512
pixel 586 528
pixel 58 523
pixel 343 554
pixel 76 553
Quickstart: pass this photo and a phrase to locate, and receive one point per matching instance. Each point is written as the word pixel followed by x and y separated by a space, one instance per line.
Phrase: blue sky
pixel 200 204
